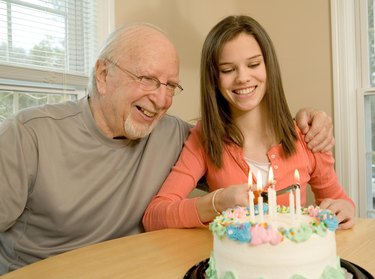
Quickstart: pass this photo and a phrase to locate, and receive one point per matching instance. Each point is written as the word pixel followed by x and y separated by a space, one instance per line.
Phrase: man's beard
pixel 134 131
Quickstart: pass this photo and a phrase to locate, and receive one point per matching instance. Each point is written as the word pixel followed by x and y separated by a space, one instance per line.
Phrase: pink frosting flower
pixel 264 234
pixel 236 213
pixel 313 211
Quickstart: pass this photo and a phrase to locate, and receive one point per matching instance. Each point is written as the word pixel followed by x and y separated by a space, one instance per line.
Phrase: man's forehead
pixel 150 51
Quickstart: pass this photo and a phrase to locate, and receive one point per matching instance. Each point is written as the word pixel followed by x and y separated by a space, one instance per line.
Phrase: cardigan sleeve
pixel 171 207
pixel 323 179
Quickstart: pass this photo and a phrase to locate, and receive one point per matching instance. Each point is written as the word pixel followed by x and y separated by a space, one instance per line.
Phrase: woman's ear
pixel 101 76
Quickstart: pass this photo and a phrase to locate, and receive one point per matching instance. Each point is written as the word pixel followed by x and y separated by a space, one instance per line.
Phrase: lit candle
pixel 260 208
pixel 291 204
pixel 270 201
pixel 251 196
pixel 260 198
pixel 272 205
pixel 269 191
pixel 298 194
pixel 259 182
pixel 251 204
pixel 270 176
pixel 250 180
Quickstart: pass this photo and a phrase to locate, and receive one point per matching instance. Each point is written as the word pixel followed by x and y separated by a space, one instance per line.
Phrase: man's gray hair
pixel 111 46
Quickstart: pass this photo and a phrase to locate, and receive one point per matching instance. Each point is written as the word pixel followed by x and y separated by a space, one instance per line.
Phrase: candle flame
pixel 250 179
pixel 270 176
pixel 259 181
pixel 296 176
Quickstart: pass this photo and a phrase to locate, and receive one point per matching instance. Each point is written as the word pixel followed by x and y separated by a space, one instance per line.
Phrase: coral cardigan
pixel 171 207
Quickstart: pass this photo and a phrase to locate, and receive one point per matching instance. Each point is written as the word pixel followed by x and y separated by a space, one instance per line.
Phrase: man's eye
pixel 148 79
pixel 172 85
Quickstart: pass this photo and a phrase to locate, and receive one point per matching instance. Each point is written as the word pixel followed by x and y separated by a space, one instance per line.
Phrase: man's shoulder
pixel 171 127
pixel 170 121
pixel 50 111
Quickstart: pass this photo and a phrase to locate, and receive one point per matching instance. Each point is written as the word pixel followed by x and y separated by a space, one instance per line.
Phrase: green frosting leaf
pixel 211 272
pixel 229 275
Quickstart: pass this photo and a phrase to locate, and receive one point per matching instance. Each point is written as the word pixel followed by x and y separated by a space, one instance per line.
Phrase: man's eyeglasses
pixel 151 83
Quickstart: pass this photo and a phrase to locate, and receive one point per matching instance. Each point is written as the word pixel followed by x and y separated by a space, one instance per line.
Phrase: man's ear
pixel 101 76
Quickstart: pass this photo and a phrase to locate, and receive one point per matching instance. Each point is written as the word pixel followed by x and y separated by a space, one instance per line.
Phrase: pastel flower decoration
pixel 229 275
pixel 236 213
pixel 331 272
pixel 329 219
pixel 258 235
pixel 240 212
pixel 217 228
pixel 297 276
pixel 282 209
pixel 319 228
pixel 313 211
pixel 274 236
pixel 300 234
pixel 240 233
pixel 211 272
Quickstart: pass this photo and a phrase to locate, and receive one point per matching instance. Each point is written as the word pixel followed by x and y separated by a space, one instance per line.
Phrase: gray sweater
pixel 64 185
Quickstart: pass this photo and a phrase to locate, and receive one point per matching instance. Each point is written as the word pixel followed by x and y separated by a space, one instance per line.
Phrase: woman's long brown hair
pixel 218 127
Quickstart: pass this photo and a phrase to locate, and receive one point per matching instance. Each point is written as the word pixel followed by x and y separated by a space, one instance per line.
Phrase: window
pixel 354 99
pixel 369 109
pixel 47 48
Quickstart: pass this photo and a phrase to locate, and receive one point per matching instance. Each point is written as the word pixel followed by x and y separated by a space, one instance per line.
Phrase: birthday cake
pixel 278 245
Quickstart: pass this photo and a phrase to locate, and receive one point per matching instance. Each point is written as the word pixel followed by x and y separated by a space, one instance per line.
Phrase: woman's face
pixel 242 73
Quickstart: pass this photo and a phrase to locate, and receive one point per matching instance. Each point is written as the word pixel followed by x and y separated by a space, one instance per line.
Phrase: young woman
pixel 246 124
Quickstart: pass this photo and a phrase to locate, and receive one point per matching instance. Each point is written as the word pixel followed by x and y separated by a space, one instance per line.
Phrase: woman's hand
pixel 224 198
pixel 343 210
pixel 236 195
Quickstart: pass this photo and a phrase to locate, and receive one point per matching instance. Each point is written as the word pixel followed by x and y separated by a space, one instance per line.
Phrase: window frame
pixel 350 85
pixel 24 78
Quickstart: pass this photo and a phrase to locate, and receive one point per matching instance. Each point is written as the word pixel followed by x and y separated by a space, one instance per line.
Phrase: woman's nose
pixel 243 76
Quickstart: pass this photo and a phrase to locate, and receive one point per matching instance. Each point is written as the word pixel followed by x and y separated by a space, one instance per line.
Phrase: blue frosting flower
pixel 329 219
pixel 239 232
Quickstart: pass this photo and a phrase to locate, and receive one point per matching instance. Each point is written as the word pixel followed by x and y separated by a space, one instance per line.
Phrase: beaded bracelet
pixel 213 200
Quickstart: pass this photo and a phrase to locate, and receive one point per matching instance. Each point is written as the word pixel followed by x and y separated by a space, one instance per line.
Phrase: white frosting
pixel 281 261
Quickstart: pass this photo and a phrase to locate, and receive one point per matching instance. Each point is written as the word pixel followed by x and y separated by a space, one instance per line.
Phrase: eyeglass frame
pixel 171 87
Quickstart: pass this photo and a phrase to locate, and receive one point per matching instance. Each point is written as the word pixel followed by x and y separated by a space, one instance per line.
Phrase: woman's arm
pixel 171 207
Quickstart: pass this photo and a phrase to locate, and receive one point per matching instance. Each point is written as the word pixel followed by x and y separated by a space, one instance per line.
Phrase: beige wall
pixel 300 30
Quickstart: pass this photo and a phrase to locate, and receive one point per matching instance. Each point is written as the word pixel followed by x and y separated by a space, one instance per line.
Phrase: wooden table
pixel 169 254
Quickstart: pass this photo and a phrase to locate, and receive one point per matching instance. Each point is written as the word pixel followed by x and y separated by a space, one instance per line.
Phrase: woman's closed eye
pixel 227 70
pixel 253 65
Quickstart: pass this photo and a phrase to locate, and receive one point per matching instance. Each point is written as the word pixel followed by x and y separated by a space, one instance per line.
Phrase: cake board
pixel 356 272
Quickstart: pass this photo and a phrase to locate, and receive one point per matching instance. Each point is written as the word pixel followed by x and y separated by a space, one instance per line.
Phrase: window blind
pixel 47 43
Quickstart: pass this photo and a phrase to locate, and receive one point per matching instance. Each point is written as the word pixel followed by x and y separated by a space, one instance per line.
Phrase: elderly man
pixel 77 173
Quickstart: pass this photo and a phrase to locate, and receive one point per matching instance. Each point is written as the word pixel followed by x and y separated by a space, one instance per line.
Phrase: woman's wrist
pixel 213 201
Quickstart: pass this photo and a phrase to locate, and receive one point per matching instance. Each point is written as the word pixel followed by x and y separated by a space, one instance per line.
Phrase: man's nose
pixel 161 97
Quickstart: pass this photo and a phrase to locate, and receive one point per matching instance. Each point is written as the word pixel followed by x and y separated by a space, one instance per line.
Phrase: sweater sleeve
pixel 17 149
pixel 171 207
pixel 323 179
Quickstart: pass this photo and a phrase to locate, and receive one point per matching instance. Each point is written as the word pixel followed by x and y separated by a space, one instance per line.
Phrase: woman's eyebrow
pixel 250 58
